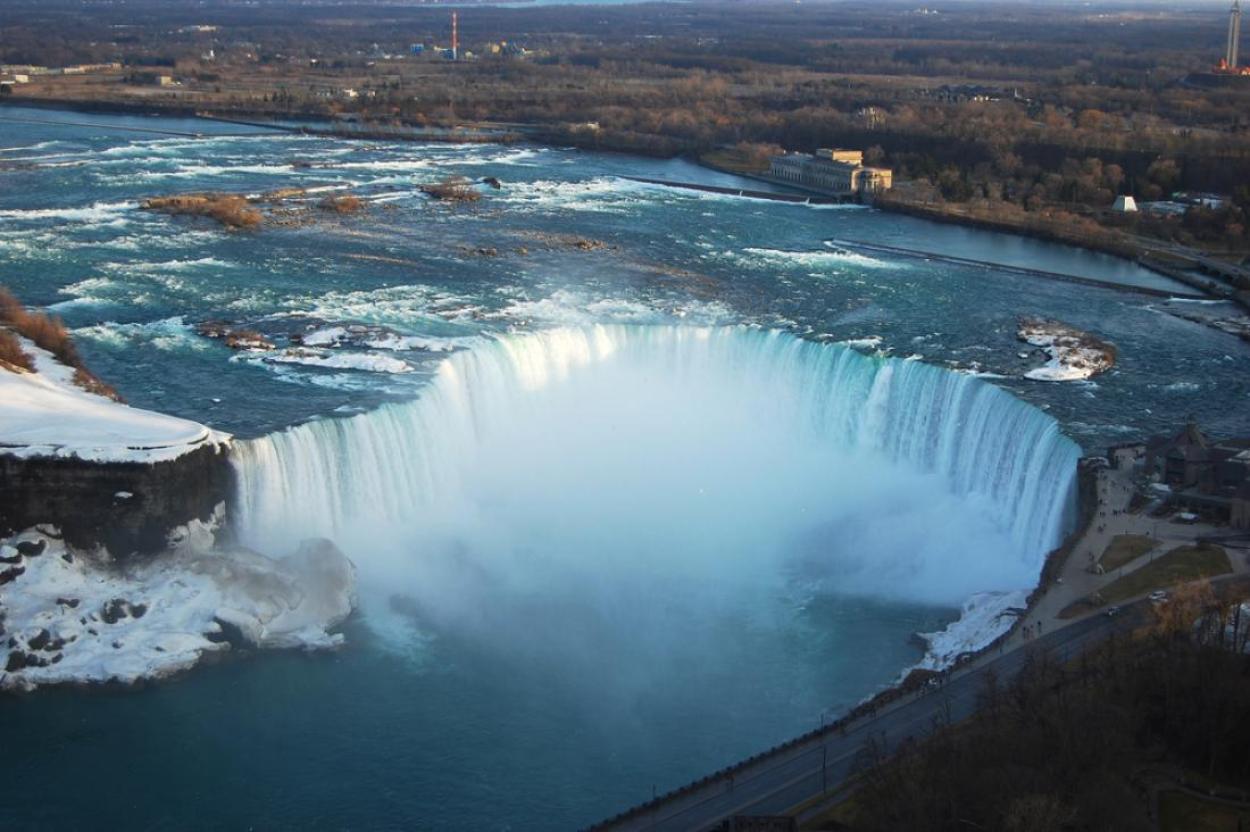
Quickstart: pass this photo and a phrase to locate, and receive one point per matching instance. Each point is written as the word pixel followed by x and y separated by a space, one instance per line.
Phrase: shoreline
pixel 1142 255
pixel 551 136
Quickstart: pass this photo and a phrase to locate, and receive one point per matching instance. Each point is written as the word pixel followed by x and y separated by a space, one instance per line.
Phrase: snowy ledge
pixel 75 617
pixel 1074 354
pixel 44 414
pixel 983 618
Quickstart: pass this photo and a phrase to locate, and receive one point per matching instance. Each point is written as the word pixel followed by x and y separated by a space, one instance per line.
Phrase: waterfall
pixel 385 468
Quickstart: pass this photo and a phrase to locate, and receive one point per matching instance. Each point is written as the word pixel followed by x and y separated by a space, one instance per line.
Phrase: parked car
pixel 1112 612
pixel 1158 596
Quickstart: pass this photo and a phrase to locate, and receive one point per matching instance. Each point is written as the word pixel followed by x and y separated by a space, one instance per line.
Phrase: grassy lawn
pixel 1124 548
pixel 1182 812
pixel 734 160
pixel 1188 563
pixel 842 813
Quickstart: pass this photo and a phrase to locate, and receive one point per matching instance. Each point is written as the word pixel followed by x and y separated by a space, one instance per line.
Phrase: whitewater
pixel 684 451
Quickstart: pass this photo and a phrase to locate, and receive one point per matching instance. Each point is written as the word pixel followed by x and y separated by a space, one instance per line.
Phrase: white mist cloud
pixel 613 498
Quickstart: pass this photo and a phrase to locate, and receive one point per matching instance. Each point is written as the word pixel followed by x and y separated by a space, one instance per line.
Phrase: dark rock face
pixel 81 498
pixel 31 548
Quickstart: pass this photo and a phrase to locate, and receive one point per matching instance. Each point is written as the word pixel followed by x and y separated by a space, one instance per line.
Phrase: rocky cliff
pixel 127 507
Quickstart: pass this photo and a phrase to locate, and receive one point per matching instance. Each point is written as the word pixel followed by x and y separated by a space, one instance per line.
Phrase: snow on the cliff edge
pixel 45 414
pixel 984 617
pixel 75 617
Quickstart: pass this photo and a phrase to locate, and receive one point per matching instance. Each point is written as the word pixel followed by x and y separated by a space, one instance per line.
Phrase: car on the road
pixel 1158 596
pixel 1112 612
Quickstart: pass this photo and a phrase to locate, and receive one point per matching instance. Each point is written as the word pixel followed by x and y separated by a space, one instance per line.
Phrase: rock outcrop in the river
pixel 1073 353
pixel 283 207
pixel 452 189
pixel 74 616
pixel 230 210
pixel 234 338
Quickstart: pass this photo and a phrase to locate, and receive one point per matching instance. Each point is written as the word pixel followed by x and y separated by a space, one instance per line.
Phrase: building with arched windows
pixel 831 171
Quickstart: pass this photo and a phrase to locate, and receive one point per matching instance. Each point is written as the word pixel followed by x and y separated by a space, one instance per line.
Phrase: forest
pixel 1136 735
pixel 997 107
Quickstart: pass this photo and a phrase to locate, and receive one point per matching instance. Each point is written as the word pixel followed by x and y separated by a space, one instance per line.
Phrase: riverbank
pixel 1167 260
pixel 1153 257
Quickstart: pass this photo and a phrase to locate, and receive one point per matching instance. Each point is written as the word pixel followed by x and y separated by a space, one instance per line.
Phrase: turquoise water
pixel 135 283
pixel 542 709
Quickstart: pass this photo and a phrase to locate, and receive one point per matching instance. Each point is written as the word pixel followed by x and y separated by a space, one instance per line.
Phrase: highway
pixel 787 777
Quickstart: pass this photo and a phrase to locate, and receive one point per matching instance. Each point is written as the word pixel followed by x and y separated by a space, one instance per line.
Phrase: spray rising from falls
pixel 635 449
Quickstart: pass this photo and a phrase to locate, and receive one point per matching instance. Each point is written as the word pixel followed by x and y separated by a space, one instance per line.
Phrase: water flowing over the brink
pixel 376 469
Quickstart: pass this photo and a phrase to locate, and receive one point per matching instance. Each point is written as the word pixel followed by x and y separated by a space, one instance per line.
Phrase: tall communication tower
pixel 1234 35
pixel 455 35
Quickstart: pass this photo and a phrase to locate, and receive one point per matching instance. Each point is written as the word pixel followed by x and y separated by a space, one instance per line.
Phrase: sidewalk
pixel 1076 581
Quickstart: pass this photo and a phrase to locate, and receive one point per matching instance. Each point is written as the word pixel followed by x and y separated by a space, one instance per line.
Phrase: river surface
pixel 536 704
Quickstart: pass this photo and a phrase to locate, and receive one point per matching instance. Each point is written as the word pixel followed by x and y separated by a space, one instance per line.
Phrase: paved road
pixel 784 780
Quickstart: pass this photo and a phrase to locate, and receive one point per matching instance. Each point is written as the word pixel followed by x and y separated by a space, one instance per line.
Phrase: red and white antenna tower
pixel 455 36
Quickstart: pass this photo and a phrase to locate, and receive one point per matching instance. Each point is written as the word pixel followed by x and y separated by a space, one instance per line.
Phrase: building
pixel 82 69
pixel 1165 208
pixel 157 79
pixel 1201 471
pixel 1213 202
pixel 1201 474
pixel 1125 204
pixel 1239 511
pixel 831 171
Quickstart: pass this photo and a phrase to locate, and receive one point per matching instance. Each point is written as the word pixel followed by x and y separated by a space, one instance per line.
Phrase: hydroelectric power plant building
pixel 831 171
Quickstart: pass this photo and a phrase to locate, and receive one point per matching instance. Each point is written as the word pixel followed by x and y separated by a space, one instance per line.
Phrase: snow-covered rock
pixel 381 338
pixel 44 414
pixel 1074 355
pixel 983 618
pixel 341 360
pixel 69 616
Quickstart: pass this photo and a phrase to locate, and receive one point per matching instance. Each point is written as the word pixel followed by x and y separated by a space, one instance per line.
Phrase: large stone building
pixel 831 171
pixel 1191 459
pixel 1201 472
